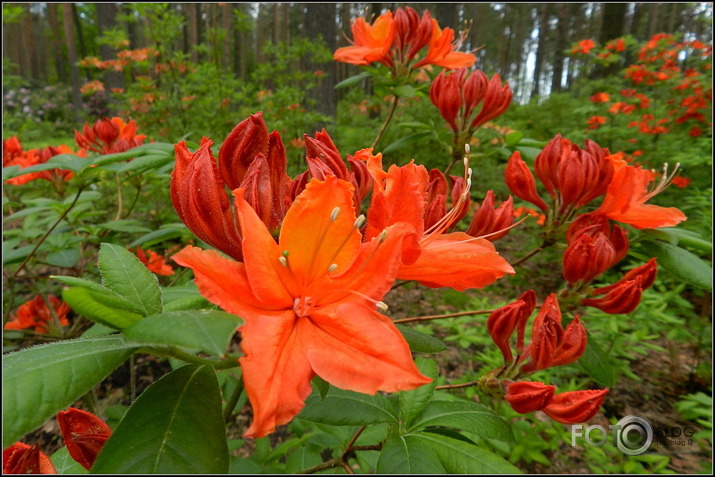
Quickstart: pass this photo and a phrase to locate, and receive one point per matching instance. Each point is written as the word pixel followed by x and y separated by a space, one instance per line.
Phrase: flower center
pixel 302 306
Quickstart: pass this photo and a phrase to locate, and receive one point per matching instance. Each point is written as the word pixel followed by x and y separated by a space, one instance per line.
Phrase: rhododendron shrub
pixel 270 296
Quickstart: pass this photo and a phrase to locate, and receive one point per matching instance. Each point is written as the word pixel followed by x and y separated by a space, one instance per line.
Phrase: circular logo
pixel 634 435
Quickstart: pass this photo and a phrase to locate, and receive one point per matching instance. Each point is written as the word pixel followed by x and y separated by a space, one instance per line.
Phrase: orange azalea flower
pixel 627 194
pixel 456 260
pixel 595 121
pixel 108 136
pixel 584 46
pixel 84 434
pixel 35 314
pixel 371 43
pixel 154 262
pixel 600 98
pixel 92 87
pixel 309 302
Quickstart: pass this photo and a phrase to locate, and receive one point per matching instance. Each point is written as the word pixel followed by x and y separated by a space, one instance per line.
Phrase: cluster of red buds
pixel 84 435
pixel 255 160
pixel 107 136
pixel 551 345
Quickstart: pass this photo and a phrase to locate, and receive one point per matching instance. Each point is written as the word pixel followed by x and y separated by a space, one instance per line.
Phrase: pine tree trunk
pixel 56 40
pixel 192 30
pixel 544 15
pixel 320 23
pixel 68 24
pixel 106 20
pixel 561 39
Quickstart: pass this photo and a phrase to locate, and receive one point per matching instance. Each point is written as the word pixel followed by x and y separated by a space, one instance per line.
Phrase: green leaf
pixel 124 225
pixel 145 163
pixel 123 273
pixel 70 162
pixel 676 236
pixel 348 408
pixel 166 232
pixel 682 264
pixel 413 402
pixel 406 141
pixel 405 91
pixel 64 258
pixel 352 80
pixel 107 309
pixel 459 457
pixel 513 138
pixel 208 331
pixel 40 381
pixel 408 455
pixel 174 427
pixel 421 342
pixel 322 386
pixel 80 282
pixel 16 255
pixel 302 458
pixel 467 416
pixel 528 153
pixel 9 172
pixel 65 464
pixel 596 364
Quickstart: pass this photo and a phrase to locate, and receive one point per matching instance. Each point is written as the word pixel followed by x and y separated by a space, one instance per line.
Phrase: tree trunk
pixel 192 30
pixel 320 23
pixel 56 40
pixel 561 38
pixel 28 59
pixel 240 66
pixel 505 41
pixel 68 24
pixel 613 22
pixel 652 19
pixel 106 20
pixel 544 15
pixel 447 15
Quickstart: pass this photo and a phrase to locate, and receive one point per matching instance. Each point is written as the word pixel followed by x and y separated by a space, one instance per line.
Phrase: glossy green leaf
pixel 676 236
pixel 208 331
pixel 302 458
pixel 408 455
pixel 352 80
pixel 145 163
pixel 596 364
pixel 682 264
pixel 64 258
pixel 174 427
pixel 81 282
pixel 166 232
pixel 65 464
pixel 420 342
pixel 126 225
pixel 513 138
pixel 347 408
pixel 123 273
pixel 459 457
pixel 466 416
pixel 40 381
pixel 413 402
pixel 105 308
pixel 405 141
pixel 321 385
pixel 9 172
pixel 528 153
pixel 405 91
pixel 16 255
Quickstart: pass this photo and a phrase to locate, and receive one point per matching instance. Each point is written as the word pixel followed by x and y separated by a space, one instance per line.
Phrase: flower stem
pixel 390 113
pixel 457 386
pixel 232 401
pixel 437 317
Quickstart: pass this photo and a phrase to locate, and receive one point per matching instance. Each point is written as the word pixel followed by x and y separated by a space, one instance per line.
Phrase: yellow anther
pixel 382 306
pixel 334 214
pixel 359 222
pixel 332 268
pixel 283 261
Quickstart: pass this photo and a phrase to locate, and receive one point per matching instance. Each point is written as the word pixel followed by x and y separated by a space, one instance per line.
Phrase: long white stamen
pixel 449 244
pixel 665 181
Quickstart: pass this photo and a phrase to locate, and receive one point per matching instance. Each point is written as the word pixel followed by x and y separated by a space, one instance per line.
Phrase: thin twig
pixel 232 401
pixel 47 234
pixel 437 317
pixel 528 256
pixel 457 386
pixel 395 99
pixel 119 198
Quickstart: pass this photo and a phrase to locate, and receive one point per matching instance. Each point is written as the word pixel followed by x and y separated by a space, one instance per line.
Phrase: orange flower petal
pixel 363 353
pixel 457 260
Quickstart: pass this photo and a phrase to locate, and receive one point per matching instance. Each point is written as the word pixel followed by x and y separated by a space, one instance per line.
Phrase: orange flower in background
pixel 600 98
pixel 584 46
pixel 107 136
pixel 13 155
pixel 627 194
pixel 92 87
pixel 84 435
pixel 595 121
pixel 21 458
pixel 154 262
pixel 35 314
pixel 617 45
pixel 441 50
pixel 309 303
pixel 371 43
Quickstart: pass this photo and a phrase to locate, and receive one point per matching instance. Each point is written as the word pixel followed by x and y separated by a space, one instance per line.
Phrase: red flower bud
pixel 646 273
pixel 520 181
pixel 445 94
pixel 199 197
pixel 322 148
pixel 529 396
pixel 575 406
pixel 546 164
pixel 573 343
pixel 503 321
pixel 587 257
pixel 21 458
pixel 496 100
pixel 622 299
pixel 487 220
pixel 106 131
pixel 248 139
pixel 84 435
pixel 546 336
